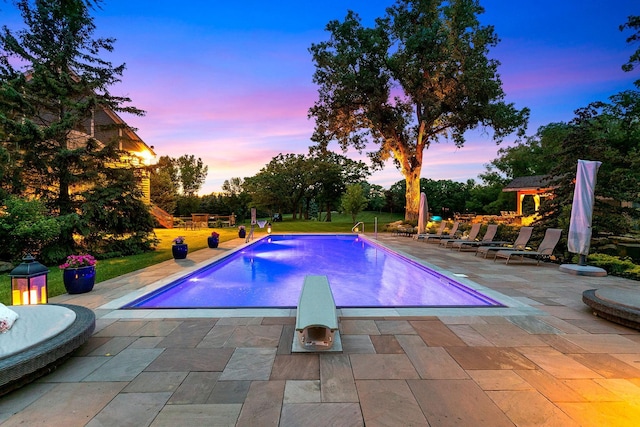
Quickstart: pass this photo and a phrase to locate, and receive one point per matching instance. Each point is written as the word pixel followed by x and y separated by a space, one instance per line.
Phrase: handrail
pixel 353 229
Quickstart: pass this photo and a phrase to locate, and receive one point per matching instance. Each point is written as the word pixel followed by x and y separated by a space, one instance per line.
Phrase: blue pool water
pixel 270 273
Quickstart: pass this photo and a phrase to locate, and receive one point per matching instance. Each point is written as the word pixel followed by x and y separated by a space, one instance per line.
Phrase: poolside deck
pixel 548 361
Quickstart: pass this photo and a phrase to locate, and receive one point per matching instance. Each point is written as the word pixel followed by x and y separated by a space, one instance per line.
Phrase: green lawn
pixel 197 239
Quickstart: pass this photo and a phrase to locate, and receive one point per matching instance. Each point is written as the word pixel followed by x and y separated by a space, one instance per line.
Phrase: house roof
pixel 536 182
pixel 131 141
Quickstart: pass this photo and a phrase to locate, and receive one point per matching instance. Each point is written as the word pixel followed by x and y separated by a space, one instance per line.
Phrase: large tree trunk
pixel 412 195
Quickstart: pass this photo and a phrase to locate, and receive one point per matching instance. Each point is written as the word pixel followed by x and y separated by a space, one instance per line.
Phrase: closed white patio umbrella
pixel 579 238
pixel 423 214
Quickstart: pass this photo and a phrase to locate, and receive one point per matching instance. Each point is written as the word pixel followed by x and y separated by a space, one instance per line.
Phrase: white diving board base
pixel 316 318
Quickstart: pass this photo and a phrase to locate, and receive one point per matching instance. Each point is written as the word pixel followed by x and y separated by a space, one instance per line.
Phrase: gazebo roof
pixel 536 182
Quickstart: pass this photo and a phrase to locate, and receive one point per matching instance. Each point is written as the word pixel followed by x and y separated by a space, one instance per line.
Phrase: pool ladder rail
pixel 355 228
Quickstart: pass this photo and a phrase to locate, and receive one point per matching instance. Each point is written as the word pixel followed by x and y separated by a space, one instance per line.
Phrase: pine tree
pixel 53 80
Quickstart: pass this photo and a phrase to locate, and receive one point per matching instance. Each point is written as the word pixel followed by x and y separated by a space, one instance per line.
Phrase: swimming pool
pixel 270 272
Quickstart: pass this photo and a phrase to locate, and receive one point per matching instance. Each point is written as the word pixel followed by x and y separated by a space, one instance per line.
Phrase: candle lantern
pixel 268 228
pixel 29 282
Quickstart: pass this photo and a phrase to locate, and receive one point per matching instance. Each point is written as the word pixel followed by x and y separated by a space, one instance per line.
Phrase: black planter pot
pixel 180 250
pixel 242 233
pixel 213 242
pixel 79 280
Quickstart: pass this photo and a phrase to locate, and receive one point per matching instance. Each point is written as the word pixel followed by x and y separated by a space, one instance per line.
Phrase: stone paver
pixel 125 366
pixel 131 410
pixel 456 403
pixel 296 367
pixel 544 361
pixel 302 391
pixel 263 404
pixel 198 415
pixel 249 364
pixel 430 362
pixel 68 405
pixel 191 359
pixel 389 403
pixel 229 392
pixel 321 415
pixel 530 408
pixel 195 388
pixel 382 366
pixel 336 379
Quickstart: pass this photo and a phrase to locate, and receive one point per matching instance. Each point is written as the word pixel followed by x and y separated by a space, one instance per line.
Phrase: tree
pixel 61 81
pixel 236 199
pixel 538 155
pixel 353 200
pixel 191 174
pixel 633 23
pixel 280 185
pixel 375 196
pixel 330 174
pixel 610 133
pixel 48 99
pixel 113 217
pixel 489 198
pixel 232 187
pixel 170 176
pixel 164 184
pixel 445 197
pixel 420 75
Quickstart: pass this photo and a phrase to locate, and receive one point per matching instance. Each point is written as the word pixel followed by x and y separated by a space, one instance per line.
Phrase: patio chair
pixel 492 229
pixel 545 249
pixel 450 235
pixel 519 244
pixel 439 232
pixel 473 234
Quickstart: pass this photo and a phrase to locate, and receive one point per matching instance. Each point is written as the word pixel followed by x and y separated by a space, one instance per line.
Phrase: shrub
pixel 26 228
pixel 616 266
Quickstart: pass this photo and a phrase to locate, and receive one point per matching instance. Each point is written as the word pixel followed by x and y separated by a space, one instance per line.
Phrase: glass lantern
pixel 29 282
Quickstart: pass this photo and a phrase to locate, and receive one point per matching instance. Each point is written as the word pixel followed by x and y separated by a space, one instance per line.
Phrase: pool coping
pixel 512 307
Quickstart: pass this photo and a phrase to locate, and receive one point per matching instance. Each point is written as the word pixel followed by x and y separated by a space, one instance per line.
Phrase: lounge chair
pixel 519 244
pixel 473 233
pixel 545 249
pixel 450 235
pixel 439 232
pixel 492 229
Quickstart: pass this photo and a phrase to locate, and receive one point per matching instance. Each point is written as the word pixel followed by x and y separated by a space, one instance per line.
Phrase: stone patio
pixel 544 361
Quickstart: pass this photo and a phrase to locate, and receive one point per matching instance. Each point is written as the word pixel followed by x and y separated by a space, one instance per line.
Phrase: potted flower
pixel 179 248
pixel 213 240
pixel 79 273
pixel 242 232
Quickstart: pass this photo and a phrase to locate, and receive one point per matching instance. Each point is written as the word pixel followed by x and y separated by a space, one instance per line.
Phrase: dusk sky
pixel 231 83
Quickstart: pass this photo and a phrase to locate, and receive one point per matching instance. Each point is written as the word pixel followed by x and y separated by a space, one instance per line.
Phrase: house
pixel 105 125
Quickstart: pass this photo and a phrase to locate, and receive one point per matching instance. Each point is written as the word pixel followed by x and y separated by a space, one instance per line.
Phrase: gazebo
pixel 536 186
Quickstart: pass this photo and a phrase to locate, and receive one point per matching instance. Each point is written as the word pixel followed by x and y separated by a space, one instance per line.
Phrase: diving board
pixel 316 319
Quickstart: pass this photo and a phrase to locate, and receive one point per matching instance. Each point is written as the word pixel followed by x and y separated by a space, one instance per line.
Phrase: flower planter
pixel 79 280
pixel 213 242
pixel 180 250
pixel 242 233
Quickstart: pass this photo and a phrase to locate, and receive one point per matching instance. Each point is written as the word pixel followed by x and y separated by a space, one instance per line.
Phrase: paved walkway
pixel 547 361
